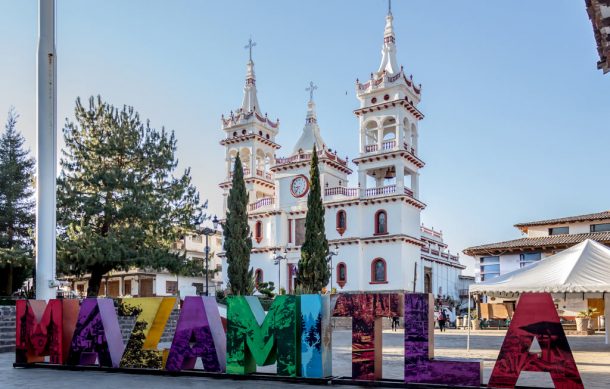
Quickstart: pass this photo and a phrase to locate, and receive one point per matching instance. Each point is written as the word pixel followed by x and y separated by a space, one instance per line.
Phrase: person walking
pixel 442 319
pixel 395 323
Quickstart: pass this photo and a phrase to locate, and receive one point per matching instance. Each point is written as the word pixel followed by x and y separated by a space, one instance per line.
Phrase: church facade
pixel 374 228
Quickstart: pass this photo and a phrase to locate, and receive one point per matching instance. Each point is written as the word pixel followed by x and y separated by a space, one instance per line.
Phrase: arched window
pixel 341 274
pixel 258 231
pixel 379 271
pixel 258 277
pixel 341 222
pixel 427 283
pixel 381 223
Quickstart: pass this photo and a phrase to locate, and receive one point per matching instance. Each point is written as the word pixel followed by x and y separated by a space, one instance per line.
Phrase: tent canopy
pixel 582 268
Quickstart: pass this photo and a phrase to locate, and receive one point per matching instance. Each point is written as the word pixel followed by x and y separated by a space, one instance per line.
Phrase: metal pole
pixel 46 152
pixel 207 253
pixel 468 323
pixel 331 274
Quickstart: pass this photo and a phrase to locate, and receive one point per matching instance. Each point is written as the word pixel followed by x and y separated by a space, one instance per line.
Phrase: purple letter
pixel 420 367
pixel 199 323
pixel 97 337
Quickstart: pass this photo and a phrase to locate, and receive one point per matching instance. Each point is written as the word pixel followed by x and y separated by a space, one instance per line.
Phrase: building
pixel 374 227
pixel 543 238
pixel 148 282
pixel 599 13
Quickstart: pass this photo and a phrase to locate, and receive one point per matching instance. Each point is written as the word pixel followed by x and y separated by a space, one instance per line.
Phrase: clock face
pixel 299 186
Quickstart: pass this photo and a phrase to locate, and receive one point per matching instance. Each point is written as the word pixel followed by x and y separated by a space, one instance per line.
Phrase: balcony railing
pixel 388 145
pixel 409 149
pixel 341 191
pixel 259 173
pixel 370 148
pixel 265 201
pixel 382 190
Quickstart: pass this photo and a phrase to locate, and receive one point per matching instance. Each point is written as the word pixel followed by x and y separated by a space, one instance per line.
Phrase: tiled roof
pixel 543 242
pixel 570 219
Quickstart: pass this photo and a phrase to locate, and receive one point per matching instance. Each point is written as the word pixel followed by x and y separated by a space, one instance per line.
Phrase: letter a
pixel 535 316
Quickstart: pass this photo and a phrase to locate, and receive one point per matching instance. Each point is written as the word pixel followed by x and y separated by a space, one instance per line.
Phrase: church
pixel 376 239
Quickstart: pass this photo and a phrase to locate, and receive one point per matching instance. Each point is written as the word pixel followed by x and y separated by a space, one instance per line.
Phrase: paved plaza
pixel 592 357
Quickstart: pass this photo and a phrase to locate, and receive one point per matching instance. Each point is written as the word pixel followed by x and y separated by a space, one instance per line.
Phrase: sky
pixel 516 125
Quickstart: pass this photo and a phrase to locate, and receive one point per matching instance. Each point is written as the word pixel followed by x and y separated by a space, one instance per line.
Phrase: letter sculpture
pixel 420 367
pixel 199 334
pixel 255 339
pixel 44 330
pixel 151 314
pixel 97 337
pixel 535 316
pixel 316 336
pixel 367 311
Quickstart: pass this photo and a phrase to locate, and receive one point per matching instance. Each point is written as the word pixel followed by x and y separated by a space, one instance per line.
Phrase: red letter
pixel 535 316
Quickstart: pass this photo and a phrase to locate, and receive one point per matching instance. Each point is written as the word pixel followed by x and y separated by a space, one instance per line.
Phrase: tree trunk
pixel 9 279
pixel 93 289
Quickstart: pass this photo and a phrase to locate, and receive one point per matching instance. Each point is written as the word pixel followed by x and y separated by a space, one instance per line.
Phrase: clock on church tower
pixel 299 186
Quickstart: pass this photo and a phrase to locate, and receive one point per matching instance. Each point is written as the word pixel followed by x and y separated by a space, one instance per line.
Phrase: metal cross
pixel 249 46
pixel 311 88
pixel 389 7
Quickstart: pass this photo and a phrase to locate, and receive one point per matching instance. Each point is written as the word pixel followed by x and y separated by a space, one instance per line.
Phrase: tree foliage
pixel 237 238
pixel 17 205
pixel 119 203
pixel 313 274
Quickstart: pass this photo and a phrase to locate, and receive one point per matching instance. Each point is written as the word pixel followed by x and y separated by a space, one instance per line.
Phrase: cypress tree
pixel 236 231
pixel 16 208
pixel 119 203
pixel 313 274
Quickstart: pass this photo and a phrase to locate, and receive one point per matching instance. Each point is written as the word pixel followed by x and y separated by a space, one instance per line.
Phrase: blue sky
pixel 516 125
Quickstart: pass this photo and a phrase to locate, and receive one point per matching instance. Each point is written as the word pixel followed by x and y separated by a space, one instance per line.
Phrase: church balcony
pixel 305 156
pixel 262 203
pixel 341 191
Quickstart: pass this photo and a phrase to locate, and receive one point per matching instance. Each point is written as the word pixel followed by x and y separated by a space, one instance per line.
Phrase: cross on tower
pixel 311 88
pixel 249 46
pixel 389 7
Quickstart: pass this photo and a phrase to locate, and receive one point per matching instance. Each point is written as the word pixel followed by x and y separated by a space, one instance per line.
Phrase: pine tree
pixel 313 274
pixel 119 203
pixel 16 208
pixel 237 238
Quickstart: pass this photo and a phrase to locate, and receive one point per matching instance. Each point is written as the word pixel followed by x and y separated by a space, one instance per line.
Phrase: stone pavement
pixel 592 357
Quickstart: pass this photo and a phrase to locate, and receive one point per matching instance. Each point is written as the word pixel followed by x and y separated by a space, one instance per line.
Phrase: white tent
pixel 583 268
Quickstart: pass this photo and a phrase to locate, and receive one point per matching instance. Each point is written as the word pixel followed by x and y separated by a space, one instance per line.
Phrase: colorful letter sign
pixel 151 315
pixel 535 316
pixel 199 324
pixel 97 337
pixel 420 367
pixel 316 335
pixel 255 339
pixel 44 330
pixel 367 311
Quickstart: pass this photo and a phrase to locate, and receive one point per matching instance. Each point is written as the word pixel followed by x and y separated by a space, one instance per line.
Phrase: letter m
pixel 41 331
pixel 255 339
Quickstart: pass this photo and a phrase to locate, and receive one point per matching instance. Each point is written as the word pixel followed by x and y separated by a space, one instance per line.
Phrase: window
pixel 600 227
pixel 528 258
pixel 258 231
pixel 381 223
pixel 341 222
pixel 258 277
pixel 198 287
pixel 341 274
pixel 299 231
pixel 559 230
pixel 490 267
pixel 171 287
pixel 378 271
pixel 289 230
pixel 427 280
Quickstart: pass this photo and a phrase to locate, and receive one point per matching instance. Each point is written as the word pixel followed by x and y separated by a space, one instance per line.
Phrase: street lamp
pixel 207 232
pixel 329 259
pixel 277 259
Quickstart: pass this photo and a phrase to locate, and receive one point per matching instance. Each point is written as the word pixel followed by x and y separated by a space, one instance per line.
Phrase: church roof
pixel 311 132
